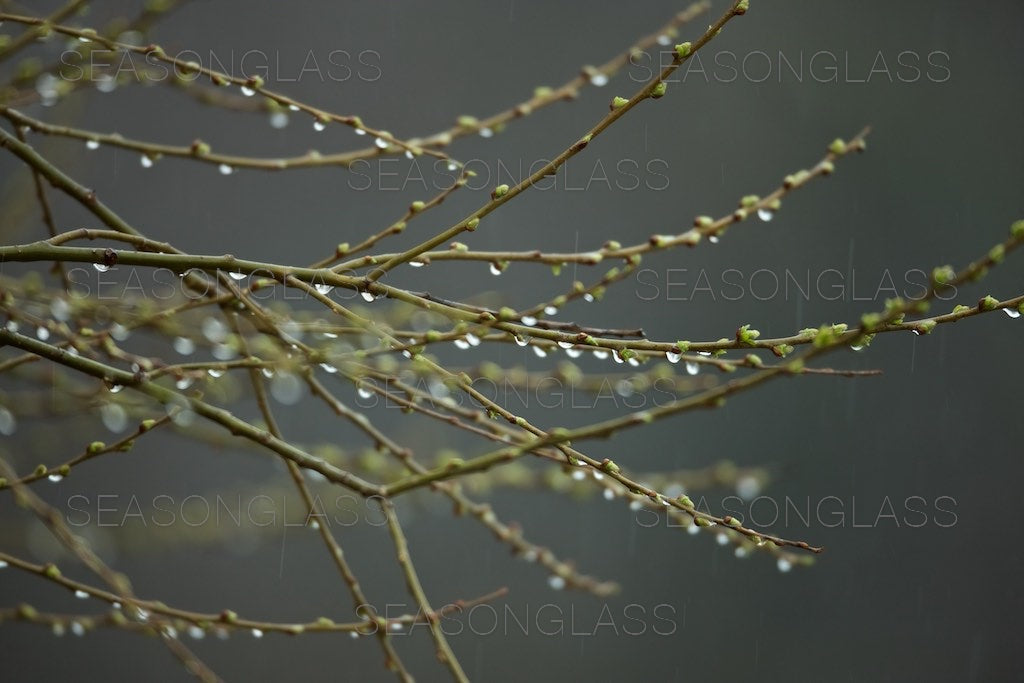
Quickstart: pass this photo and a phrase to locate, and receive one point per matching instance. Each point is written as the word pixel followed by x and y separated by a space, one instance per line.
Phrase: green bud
pixel 472 223
pixel 609 466
pixel 1017 229
pixel 997 253
pixel 925 326
pixel 837 147
pixel 749 201
pixel 745 335
pixel 683 50
pixel 943 274
pixel 685 501
pixel 499 191
pixel 147 425
pixel 742 6
pixel 659 90
pixel 960 308
pixel 700 521
pixel 51 571
pixel 683 346
pixel 618 103
pixel 988 303
pixel 417 206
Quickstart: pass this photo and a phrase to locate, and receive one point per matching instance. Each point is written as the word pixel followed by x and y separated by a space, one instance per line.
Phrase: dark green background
pixel 940 184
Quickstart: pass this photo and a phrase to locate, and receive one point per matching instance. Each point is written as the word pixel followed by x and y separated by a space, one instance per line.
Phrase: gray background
pixel 940 183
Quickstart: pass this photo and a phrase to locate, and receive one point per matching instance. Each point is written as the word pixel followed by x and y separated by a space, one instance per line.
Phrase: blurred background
pixel 908 479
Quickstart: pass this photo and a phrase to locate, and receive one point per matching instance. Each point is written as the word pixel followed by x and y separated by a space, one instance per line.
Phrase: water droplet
pixel 77 628
pixel 364 393
pixel 486 133
pixel 92 144
pixel 609 494
pixel 617 358
pixel 452 166
pixel 765 214
pixel 293 107
pixel 574 353
pixel 267 372
pixel 367 296
pixel 286 388
pixel 116 388
pixel 634 362
pixel 278 120
pixel 3 564
pixel 692 529
pixel 748 488
pixel 237 276
pixel 461 344
pixel 672 357
pixel 42 334
pixel 1012 312
pixel 521 341
pixel 146 161
pixel 528 320
pixel 196 633
pixel 706 354
pixel 81 595
pixel 323 288
pixel 55 477
pixel 692 368
pixel 119 332
pixel 550 310
pixel 857 348
pixel 565 345
pixel 579 475
pixel 101 267
pixel 409 155
pixel 496 269
pixel 328 368
pixel 713 239
pixel 60 309
pixel 114 417
pixel 319 125
pixel 184 345
pixel 225 169
pixel 556 582
pixel 473 339
pixel 721 539
pixel 214 330
pixel 784 565
pixel 183 383
pixel 601 354
pixel 416 264
pixel 396 626
pixel 664 40
pixel 741 552
pixel 215 373
pixel 359 131
pixel 257 633
pixel 541 353
pixel 588 297
pixel 247 91
pixel 381 143
pixel 598 79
